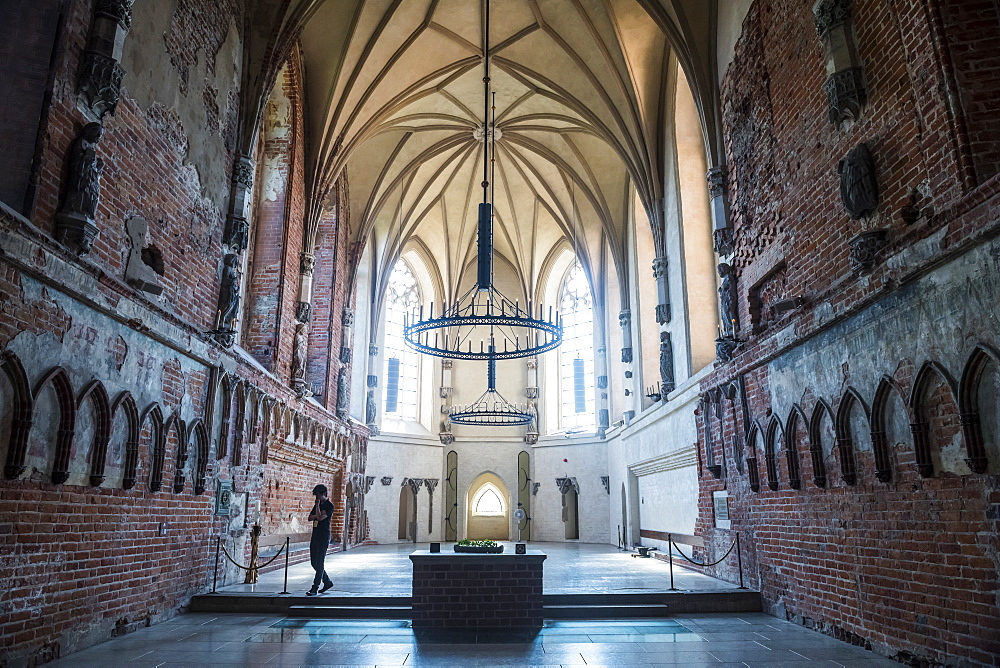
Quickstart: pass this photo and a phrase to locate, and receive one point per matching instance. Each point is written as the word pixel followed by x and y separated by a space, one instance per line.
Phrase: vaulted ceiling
pixel 394 95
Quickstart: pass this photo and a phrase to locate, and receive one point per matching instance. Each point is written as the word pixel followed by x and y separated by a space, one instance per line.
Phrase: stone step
pixel 351 612
pixel 280 604
pixel 681 602
pixel 605 611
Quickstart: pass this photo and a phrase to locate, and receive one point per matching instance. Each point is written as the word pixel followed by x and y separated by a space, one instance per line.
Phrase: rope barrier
pixel 673 544
pixel 259 566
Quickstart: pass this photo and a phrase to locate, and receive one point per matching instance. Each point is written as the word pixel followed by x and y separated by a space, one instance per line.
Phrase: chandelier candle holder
pixel 484 324
pixel 491 409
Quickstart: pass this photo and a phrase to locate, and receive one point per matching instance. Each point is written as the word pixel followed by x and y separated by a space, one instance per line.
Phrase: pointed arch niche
pixel 488 505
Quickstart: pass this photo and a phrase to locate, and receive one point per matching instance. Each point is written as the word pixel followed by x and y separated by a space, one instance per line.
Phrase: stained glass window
pixel 576 354
pixel 400 371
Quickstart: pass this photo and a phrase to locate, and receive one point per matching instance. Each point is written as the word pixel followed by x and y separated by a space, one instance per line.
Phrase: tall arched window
pixel 400 372
pixel 576 354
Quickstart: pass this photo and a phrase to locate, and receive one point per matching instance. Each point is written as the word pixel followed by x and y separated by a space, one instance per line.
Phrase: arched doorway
pixel 488 509
pixel 406 512
pixel 571 513
pixel 623 529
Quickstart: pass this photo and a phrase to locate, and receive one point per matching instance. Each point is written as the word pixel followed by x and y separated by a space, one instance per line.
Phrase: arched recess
pixel 848 425
pixel 225 415
pixel 774 436
pixel 177 436
pixel 19 406
pixel 239 413
pixel 935 427
pixel 125 403
pixel 571 510
pixel 267 426
pixel 153 439
pixel 524 494
pixel 98 452
pixel 979 409
pixel 733 395
pixel 196 430
pixel 265 271
pixel 754 439
pixel 888 414
pixel 57 379
pixel 623 527
pixel 821 439
pixel 484 523
pixel 451 497
pixel 405 513
pixel 697 272
pixel 796 437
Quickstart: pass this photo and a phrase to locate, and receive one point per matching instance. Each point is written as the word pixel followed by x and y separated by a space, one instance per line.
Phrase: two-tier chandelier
pixel 484 324
pixel 491 409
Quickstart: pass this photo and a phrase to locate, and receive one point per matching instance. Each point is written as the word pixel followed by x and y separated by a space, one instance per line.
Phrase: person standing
pixel 320 516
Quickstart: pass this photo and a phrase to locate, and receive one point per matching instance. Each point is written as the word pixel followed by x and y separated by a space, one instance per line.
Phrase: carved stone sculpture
pixel 138 274
pixel 101 73
pixel 387 480
pixel 865 249
pixel 303 311
pixel 370 408
pixel 76 226
pixel 666 364
pixel 229 299
pixel 728 303
pixel 858 187
pixel 342 392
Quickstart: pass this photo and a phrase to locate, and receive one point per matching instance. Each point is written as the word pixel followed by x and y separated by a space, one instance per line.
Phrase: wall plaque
pixel 720 500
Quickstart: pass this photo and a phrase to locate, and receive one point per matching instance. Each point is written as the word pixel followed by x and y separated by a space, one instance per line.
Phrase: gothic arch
pixel 238 418
pixel 157 445
pixel 94 390
pixel 226 397
pixel 126 403
pixel 968 405
pixel 932 375
pixel 754 435
pixel 818 456
pixel 23 405
pixel 775 434
pixel 176 425
pixel 795 416
pixel 67 420
pixel 845 435
pixel 197 430
pixel 880 427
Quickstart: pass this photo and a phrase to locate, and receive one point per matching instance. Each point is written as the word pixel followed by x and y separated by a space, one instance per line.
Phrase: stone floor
pixel 753 639
pixel 570 568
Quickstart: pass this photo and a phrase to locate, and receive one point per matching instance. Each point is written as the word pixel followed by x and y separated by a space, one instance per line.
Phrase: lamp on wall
pixel 484 312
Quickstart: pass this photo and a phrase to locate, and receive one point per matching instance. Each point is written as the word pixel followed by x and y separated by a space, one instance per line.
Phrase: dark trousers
pixel 317 556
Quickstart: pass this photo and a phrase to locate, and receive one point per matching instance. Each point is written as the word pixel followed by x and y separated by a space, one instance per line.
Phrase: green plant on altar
pixel 478 543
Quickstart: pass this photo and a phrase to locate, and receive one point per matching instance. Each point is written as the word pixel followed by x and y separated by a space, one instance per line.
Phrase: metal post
pixel 215 578
pixel 286 565
pixel 670 557
pixel 739 560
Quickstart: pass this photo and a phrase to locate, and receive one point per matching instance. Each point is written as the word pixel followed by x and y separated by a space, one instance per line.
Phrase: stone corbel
pixel 565 484
pixel 606 481
pixel 100 78
pixel 386 480
pixel 845 86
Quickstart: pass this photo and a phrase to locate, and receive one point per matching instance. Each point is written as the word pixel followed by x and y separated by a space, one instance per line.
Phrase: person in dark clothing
pixel 320 516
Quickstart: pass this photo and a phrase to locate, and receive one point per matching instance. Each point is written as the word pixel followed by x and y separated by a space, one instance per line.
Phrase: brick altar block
pixel 458 590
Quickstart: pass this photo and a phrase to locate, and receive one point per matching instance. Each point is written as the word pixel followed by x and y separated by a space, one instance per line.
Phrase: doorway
pixel 488 509
pixel 406 513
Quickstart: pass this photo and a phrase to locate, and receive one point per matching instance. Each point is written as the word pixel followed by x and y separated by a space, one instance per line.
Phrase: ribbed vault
pixel 394 97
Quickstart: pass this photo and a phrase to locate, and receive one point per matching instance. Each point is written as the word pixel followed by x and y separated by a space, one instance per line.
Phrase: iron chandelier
pixel 453 331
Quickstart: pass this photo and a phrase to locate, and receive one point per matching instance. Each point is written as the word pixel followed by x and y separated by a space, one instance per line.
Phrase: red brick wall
pixel 906 565
pixel 85 562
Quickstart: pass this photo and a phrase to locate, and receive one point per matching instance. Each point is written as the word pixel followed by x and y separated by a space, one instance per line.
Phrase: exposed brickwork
pixel 887 539
pixel 476 591
pixel 84 563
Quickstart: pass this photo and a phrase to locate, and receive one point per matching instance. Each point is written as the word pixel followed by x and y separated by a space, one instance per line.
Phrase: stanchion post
pixel 215 577
pixel 286 566
pixel 739 560
pixel 670 558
